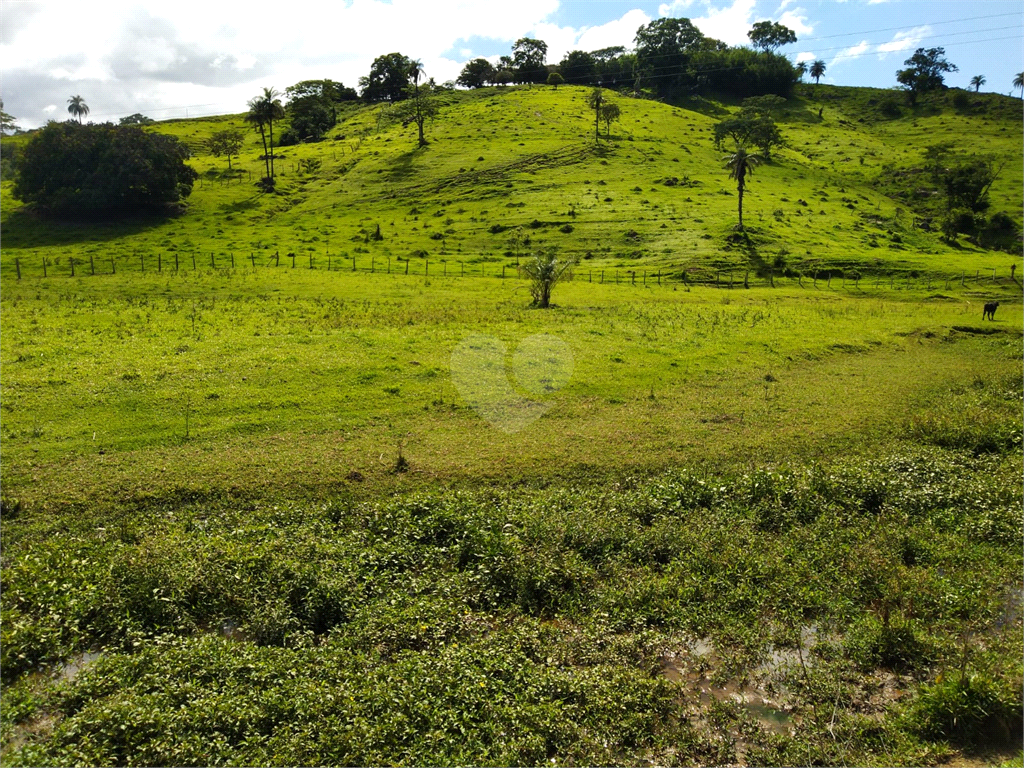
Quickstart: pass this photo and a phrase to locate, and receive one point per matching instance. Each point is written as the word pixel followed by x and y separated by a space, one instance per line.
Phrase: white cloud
pixel 50 108
pixel 796 20
pixel 850 53
pixel 151 55
pixel 785 5
pixel 904 41
pixel 620 31
pixel 805 56
pixel 877 2
pixel 674 8
pixel 465 52
pixel 729 24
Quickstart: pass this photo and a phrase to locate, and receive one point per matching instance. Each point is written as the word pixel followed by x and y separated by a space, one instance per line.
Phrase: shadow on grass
pixel 402 169
pixel 26 228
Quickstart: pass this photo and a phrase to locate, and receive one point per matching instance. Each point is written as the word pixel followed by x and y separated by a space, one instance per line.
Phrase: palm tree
pixel 817 70
pixel 801 69
pixel 1018 83
pixel 740 165
pixel 977 81
pixel 256 117
pixel 274 111
pixel 77 107
pixel 263 111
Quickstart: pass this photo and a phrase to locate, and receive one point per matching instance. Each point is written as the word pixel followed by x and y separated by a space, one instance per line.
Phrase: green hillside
pixel 654 196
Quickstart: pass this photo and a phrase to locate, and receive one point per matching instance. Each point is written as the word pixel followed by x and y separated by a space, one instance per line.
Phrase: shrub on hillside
pixel 73 169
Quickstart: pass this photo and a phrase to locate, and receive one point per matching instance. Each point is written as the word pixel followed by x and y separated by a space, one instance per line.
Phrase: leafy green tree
pixel 817 70
pixel 312 108
pixel 770 36
pixel 528 56
pixel 754 125
pixel 741 164
pixel 226 143
pixel 579 68
pixel 7 124
pixel 615 67
pixel 78 108
pixel 420 105
pixel 1018 83
pixel 70 169
pixel 610 112
pixel 977 81
pixel 924 72
pixel 555 79
pixel 663 52
pixel 477 73
pixel 387 80
pixel 545 271
pixel 136 119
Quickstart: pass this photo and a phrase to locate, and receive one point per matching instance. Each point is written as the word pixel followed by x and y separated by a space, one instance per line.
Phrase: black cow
pixel 990 310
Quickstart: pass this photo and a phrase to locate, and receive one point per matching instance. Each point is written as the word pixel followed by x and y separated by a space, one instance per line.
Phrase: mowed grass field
pixel 249 516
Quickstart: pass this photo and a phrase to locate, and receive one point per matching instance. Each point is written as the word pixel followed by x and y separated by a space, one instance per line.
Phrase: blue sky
pixel 194 57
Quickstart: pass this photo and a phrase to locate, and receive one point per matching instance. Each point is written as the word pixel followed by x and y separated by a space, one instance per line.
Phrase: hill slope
pixel 654 195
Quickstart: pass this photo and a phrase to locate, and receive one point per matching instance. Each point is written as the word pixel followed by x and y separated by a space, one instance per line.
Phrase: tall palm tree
pixel 977 81
pixel 77 107
pixel 801 69
pixel 256 117
pixel 273 111
pixel 817 70
pixel 1018 83
pixel 741 164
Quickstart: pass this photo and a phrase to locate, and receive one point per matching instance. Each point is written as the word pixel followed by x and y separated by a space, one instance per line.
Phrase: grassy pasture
pixel 526 157
pixel 765 525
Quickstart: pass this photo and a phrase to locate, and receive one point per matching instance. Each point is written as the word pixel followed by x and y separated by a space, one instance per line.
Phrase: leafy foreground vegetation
pixel 873 604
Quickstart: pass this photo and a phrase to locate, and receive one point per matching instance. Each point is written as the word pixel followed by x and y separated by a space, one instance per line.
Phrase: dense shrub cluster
pixel 72 169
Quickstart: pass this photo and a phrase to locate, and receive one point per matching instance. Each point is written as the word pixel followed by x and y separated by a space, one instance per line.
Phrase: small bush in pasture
pixel 971 710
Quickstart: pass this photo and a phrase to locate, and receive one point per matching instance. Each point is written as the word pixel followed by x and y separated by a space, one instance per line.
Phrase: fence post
pixel 310 259
pixel 353 263
pixel 746 279
pixel 389 265
pixel 232 259
pixel 213 261
pixel 277 258
pixel 175 262
pixel 113 267
pixel 993 274
pixel 426 267
pixel 645 277
pixel 72 266
pixel 17 266
pixel 373 264
pixel 44 266
pixel 659 277
pixel 407 266
pixel 252 258
pixel 193 261
pixel 828 284
pixel 159 261
pixel 502 271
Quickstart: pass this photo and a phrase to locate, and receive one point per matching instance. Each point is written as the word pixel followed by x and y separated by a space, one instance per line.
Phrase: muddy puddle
pixel 71 668
pixel 694 669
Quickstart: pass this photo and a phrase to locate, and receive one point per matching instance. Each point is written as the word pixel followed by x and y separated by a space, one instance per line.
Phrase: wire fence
pixel 730 278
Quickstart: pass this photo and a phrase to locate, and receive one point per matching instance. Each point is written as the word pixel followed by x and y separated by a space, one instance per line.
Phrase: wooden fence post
pixel 232 259
pixel 72 266
pixel 407 266
pixel 159 261
pixel 44 266
pixel 252 258
pixel 175 262
pixel 193 261
pixel 746 279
